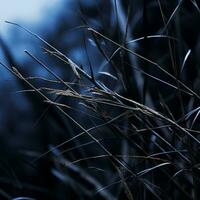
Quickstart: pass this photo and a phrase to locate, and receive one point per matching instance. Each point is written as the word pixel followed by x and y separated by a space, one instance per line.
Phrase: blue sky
pixel 24 9
pixel 25 12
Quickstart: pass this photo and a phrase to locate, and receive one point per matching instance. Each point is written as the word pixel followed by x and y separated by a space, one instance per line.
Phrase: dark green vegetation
pixel 124 124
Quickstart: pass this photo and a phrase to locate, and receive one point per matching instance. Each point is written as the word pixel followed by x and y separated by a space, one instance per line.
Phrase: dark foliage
pixel 113 110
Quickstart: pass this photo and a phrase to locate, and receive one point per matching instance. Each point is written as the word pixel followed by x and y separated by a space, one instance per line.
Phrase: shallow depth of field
pixel 100 99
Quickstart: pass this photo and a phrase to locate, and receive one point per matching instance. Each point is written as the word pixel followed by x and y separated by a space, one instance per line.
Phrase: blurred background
pixel 30 127
pixel 27 125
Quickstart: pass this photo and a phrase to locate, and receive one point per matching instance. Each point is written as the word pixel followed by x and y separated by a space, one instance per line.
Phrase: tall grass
pixel 133 122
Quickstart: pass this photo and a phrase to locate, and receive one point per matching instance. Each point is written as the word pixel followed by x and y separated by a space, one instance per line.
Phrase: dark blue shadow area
pixel 28 126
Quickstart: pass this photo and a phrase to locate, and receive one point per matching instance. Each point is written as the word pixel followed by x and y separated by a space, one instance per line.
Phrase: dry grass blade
pixel 196 5
pixel 134 41
pixel 83 174
pixel 57 53
pixel 79 135
pixel 172 15
pixel 167 153
pixel 185 59
pixel 23 198
pixel 47 68
pixel 195 119
pixel 132 52
pixel 116 109
pixel 147 60
pixel 155 113
pixel 109 75
pixel 74 68
pixel 118 156
pixel 168 144
pixel 127 189
pixel 111 156
pixel 141 173
pixel 162 81
pixel 127 178
pixel 73 65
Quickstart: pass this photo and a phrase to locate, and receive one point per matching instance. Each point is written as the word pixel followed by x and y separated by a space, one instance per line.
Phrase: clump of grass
pixel 136 125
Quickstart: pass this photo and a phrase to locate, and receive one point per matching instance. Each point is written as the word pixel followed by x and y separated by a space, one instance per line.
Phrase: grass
pixel 134 127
